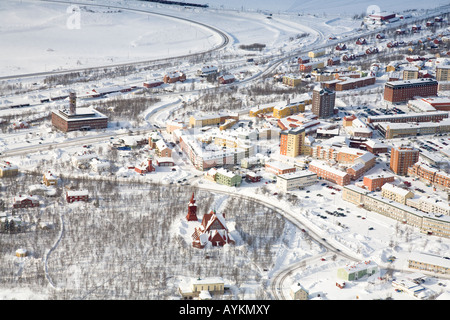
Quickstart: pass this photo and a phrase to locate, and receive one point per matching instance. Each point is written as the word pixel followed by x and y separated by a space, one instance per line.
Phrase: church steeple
pixel 192 210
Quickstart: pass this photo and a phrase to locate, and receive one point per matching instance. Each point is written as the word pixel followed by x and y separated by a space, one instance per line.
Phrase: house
pixel 145 167
pixel 7 169
pixel 162 150
pixel 252 177
pixel 77 195
pixel 225 79
pixel 203 289
pixel 173 77
pixel 25 201
pixel 213 230
pixel 297 292
pixel 49 179
pixel 207 70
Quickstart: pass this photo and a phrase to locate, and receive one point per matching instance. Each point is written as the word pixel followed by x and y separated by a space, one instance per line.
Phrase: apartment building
pixel 392 192
pixel 443 73
pixel 329 173
pixel 323 102
pixel 404 90
pixel 374 182
pixel 429 223
pixel 402 158
pixel 430 175
pixel 434 116
pixel 429 262
pixel 292 142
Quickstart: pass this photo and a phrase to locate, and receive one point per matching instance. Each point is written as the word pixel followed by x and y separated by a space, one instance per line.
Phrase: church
pixel 213 228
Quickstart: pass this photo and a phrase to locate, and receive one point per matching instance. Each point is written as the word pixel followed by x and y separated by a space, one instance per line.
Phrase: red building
pixel 213 230
pixel 173 77
pixel 73 195
pixel 225 79
pixel 374 182
pixel 404 90
pixel 25 202
pixel 192 210
pixel 145 167
pixel 402 158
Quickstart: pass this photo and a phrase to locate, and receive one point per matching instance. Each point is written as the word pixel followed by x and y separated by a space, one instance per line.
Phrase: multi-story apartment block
pixel 198 121
pixel 292 142
pixel 329 173
pixel 402 158
pixel 410 73
pixel 392 192
pixel 394 130
pixel 443 73
pixel 434 116
pixel 404 90
pixel 323 102
pixel 290 108
pixel 430 175
pixel 374 182
pixel 428 223
pixel 228 178
pixel 429 262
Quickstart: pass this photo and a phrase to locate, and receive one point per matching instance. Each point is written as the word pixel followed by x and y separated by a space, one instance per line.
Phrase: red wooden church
pixel 213 228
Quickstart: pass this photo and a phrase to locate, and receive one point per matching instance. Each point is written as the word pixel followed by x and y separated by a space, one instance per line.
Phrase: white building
pixel 296 180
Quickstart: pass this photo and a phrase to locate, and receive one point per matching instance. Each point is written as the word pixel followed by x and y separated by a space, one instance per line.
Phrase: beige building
pixel 296 180
pixel 202 289
pixel 297 292
pixel 429 223
pixel 8 170
pixel 429 262
pixel 443 73
pixel 395 193
pixel 50 179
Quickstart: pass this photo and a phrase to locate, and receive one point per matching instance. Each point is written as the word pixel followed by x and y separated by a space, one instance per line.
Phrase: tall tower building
pixel 402 158
pixel 292 142
pixel 192 210
pixel 72 102
pixel 323 102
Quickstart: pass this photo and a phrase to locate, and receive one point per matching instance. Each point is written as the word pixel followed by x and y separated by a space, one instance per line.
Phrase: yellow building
pixel 317 53
pixel 291 81
pixel 292 142
pixel 8 170
pixel 282 111
pixel 50 179
pixel 209 120
pixel 267 108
